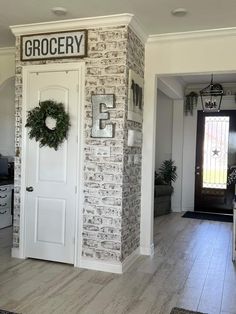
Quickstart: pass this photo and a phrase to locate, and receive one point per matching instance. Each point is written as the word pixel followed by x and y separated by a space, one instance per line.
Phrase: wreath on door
pixel 49 123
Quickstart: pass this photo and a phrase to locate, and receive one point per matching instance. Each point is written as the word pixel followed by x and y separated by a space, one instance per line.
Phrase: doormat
pixel 177 310
pixel 205 216
pixel 6 312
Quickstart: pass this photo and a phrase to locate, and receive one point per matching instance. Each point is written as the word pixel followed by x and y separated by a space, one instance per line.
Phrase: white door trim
pixel 80 67
pixel 149 150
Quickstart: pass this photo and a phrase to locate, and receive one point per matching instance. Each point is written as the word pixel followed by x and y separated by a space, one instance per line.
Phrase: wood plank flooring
pixel 191 268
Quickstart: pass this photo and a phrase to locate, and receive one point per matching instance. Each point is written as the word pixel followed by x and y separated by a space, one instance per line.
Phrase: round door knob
pixel 29 189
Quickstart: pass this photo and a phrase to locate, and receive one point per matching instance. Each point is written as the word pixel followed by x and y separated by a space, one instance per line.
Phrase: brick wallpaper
pixel 131 200
pixel 111 211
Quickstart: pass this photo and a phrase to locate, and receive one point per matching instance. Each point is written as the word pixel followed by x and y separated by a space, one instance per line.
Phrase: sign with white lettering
pixel 54 45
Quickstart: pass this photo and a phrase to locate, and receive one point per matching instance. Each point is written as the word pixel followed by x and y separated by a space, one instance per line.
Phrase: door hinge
pixel 76 189
pixel 77 87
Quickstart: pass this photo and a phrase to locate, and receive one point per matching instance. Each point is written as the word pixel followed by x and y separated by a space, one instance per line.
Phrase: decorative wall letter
pixel 97 102
pixel 135 97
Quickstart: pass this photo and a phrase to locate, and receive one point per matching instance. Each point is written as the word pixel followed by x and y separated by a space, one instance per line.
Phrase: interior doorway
pixel 215 155
pixel 163 191
pixel 184 135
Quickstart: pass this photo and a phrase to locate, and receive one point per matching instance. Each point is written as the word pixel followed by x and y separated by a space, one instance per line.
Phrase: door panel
pixel 49 210
pixel 56 161
pixel 215 154
pixel 50 207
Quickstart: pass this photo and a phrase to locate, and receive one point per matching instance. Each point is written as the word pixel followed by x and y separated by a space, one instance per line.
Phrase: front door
pixel 51 175
pixel 215 154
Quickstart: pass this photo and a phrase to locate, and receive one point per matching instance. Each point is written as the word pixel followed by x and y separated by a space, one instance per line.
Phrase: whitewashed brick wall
pixel 111 211
pixel 131 200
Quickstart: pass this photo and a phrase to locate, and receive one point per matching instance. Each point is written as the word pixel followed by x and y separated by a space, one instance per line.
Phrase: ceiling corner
pixel 206 33
pixel 138 29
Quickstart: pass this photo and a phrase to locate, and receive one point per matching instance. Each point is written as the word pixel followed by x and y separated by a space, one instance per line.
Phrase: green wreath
pixel 36 120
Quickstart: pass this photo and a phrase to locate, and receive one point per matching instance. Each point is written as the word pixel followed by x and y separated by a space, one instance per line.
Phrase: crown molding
pixel 7 51
pixel 82 23
pixel 64 25
pixel 226 86
pixel 192 35
pixel 138 29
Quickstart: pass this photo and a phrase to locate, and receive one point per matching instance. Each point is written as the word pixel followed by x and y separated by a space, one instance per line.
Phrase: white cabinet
pixel 5 205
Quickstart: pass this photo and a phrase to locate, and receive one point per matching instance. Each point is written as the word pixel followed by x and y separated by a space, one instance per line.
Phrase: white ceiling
pixel 205 79
pixel 154 15
pixel 175 86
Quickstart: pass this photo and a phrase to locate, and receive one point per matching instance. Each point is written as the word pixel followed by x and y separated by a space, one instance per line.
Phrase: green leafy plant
pixel 190 103
pixel 167 171
pixel 36 121
pixel 231 176
pixel 158 179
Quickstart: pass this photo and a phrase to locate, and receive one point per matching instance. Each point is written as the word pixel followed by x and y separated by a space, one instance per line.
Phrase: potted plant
pixel 190 103
pixel 231 179
pixel 167 171
pixel 232 176
pixel 163 188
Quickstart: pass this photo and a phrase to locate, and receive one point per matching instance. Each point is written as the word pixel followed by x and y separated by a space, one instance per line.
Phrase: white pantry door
pixel 52 175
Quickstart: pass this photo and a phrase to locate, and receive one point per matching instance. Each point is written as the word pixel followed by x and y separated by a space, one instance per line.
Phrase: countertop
pixel 6 181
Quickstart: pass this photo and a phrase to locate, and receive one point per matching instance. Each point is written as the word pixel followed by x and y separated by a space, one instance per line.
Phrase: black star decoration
pixel 215 152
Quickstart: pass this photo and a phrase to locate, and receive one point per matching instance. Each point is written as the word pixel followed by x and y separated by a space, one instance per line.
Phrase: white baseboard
pixel 176 210
pixel 147 250
pixel 130 260
pixel 117 268
pixel 15 252
pixel 101 266
pixel 188 209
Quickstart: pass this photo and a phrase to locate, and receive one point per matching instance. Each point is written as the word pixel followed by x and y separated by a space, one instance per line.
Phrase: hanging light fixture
pixel 211 97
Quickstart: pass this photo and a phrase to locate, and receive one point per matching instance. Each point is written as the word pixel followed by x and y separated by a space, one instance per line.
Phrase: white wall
pixel 7 63
pixel 197 52
pixel 177 153
pixel 7 117
pixel 7 101
pixel 163 128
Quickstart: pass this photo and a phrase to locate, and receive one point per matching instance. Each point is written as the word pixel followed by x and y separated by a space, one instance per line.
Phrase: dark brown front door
pixel 215 154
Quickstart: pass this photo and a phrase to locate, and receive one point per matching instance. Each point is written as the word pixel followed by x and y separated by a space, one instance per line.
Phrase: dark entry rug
pixel 205 216
pixel 177 310
pixel 6 312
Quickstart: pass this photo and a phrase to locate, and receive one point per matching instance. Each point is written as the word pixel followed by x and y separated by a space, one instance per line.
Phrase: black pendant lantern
pixel 211 97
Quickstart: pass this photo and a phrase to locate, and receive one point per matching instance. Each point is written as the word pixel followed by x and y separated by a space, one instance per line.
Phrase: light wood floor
pixel 191 268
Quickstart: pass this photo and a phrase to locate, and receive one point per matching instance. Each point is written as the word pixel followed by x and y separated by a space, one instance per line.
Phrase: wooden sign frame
pixel 48 36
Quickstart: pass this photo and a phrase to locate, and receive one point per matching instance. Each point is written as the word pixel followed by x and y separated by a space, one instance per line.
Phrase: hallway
pixel 191 268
